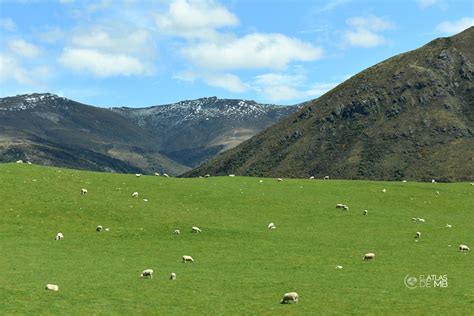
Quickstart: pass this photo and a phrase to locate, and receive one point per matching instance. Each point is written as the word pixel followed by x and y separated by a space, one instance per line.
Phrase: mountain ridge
pixel 407 117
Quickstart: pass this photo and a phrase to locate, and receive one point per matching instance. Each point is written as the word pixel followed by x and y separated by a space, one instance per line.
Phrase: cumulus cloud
pixel 12 70
pixel 110 50
pixel 453 27
pixel 228 82
pixel 195 18
pixel 251 51
pixel 282 87
pixel 7 24
pixel 24 49
pixel 365 31
pixel 102 64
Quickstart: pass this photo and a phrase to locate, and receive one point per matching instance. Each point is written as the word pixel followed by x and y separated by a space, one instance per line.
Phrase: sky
pixel 140 53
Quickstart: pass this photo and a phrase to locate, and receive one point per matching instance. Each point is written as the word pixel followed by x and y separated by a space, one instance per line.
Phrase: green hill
pixel 240 267
pixel 408 117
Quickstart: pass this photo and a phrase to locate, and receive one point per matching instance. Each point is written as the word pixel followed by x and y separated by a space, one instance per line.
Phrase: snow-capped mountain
pixel 53 130
pixel 193 131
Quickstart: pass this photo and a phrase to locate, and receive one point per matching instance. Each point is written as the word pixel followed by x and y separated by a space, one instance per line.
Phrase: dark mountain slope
pixel 52 130
pixel 410 117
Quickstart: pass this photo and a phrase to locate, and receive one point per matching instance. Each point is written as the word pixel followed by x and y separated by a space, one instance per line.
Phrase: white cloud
pixel 281 87
pixel 251 51
pixel 331 5
pixel 195 18
pixel 102 64
pixel 365 31
pixel 453 27
pixel 107 50
pixel 24 49
pixel 228 82
pixel 12 70
pixel 7 24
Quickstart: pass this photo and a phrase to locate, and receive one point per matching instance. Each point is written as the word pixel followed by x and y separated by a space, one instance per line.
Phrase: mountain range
pixel 52 130
pixel 408 117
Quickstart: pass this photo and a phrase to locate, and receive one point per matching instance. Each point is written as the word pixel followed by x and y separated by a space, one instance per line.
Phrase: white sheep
pixel 464 248
pixel 414 219
pixel 231 175
pixel 207 175
pixel 52 287
pixel 369 256
pixel 188 259
pixel 157 174
pixel 326 177
pixel 311 178
pixel 343 206
pixel 279 179
pixel 271 226
pixel 83 191
pixel 448 226
pixel 19 161
pixel 421 220
pixel 195 229
pixel 384 190
pixel 173 276
pixel 339 267
pixel 59 236
pixel 365 212
pixel 176 232
pixel 98 228
pixel 138 175
pixel 417 235
pixel 135 194
pixel 287 297
pixel 166 175
pixel 147 273
pixel 433 181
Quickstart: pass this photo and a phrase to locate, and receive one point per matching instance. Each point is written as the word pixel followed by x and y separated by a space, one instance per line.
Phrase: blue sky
pixel 145 52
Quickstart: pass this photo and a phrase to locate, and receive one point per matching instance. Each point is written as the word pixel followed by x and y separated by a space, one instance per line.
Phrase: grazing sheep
pixel 433 181
pixel 19 161
pixel 59 236
pixel 147 273
pixel 195 229
pixel 29 162
pixel 421 220
pixel 173 276
pixel 339 267
pixel 261 181
pixel 369 256
pixel 51 287
pixel 414 219
pixel 98 228
pixel 384 190
pixel 135 194
pixel 166 175
pixel 448 226
pixel 138 175
pixel 404 181
pixel 343 206
pixel 188 258
pixel 83 191
pixel 365 212
pixel 207 175
pixel 107 229
pixel 145 200
pixel 279 179
pixel 291 296
pixel 464 248
pixel 311 178
pixel 176 232
pixel 271 226
pixel 157 174
pixel 231 175
pixel 326 178
pixel 417 235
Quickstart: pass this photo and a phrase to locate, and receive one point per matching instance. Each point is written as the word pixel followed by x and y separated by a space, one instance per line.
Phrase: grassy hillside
pixel 240 266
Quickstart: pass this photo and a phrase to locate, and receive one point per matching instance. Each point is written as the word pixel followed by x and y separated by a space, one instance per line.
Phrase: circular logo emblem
pixel 410 281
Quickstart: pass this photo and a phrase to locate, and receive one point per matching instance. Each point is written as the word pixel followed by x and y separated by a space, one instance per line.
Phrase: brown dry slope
pixel 408 117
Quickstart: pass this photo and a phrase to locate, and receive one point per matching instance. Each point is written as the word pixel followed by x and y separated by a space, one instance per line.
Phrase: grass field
pixel 240 266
